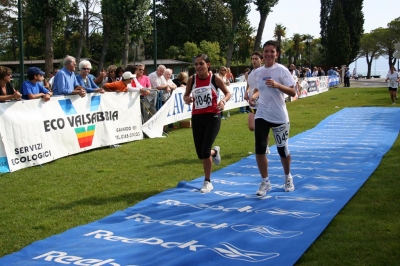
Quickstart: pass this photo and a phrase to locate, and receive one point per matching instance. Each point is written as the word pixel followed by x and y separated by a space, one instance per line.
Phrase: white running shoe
pixel 217 159
pixel 207 187
pixel 265 186
pixel 289 186
pixel 267 151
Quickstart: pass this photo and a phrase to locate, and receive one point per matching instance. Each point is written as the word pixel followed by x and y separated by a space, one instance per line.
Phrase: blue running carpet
pixel 231 225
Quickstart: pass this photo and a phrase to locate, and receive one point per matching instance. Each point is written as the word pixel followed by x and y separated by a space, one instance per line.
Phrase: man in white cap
pixel 120 85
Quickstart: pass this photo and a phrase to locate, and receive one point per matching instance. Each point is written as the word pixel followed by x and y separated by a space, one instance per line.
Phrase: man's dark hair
pixel 257 53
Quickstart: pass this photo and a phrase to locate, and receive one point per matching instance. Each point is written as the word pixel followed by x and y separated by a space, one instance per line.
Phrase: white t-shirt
pixel 271 102
pixel 155 81
pixel 392 79
pixel 251 80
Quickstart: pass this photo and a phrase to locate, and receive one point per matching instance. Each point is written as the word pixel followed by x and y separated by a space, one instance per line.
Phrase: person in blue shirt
pixel 65 82
pixel 32 88
pixel 330 71
pixel 84 78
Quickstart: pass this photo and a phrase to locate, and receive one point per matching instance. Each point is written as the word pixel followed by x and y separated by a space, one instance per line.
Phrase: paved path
pixel 367 83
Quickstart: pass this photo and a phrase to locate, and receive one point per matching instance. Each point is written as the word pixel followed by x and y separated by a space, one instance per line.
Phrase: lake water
pixel 379 66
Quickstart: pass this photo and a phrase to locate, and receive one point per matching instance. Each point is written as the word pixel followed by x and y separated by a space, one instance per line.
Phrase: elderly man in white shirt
pixel 159 83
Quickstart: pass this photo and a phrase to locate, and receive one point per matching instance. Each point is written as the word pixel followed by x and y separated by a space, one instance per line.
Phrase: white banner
pixel 313 85
pixel 34 132
pixel 175 109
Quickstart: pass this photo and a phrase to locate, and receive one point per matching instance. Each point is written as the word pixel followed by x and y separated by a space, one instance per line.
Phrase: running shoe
pixel 207 187
pixel 289 186
pixel 217 158
pixel 265 186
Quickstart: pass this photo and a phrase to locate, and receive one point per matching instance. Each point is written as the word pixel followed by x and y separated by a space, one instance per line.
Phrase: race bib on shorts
pixel 281 134
pixel 392 84
pixel 202 97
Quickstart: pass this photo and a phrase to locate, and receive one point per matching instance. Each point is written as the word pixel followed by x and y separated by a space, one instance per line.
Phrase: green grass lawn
pixel 39 202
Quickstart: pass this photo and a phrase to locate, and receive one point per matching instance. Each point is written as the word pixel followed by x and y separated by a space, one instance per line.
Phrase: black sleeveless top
pixel 9 90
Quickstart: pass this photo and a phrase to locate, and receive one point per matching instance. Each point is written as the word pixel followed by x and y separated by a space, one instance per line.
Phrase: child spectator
pixel 32 89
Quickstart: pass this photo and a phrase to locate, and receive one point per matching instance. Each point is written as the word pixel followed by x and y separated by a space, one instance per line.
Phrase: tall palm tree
pixel 297 46
pixel 279 33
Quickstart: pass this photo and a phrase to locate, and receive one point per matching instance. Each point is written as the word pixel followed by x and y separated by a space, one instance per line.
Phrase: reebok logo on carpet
pixel 64 258
pixel 226 250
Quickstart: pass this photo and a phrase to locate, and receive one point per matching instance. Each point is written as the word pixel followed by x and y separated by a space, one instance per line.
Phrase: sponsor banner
pixel 323 84
pixel 35 132
pixel 172 111
pixel 312 86
pixel 175 109
pixel 231 225
pixel 333 81
pixel 3 159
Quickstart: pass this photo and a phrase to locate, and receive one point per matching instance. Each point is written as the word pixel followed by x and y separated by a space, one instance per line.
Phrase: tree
pixel 177 24
pixel 106 11
pixel 51 15
pixel 264 7
pixel 8 31
pixel 245 39
pixel 239 9
pixel 388 38
pixel 91 16
pixel 341 20
pixel 297 46
pixel 279 32
pixel 137 24
pixel 173 52
pixel 212 49
pixel 370 48
pixel 288 53
pixel 338 47
pixel 354 17
pixel 326 6
pixel 190 50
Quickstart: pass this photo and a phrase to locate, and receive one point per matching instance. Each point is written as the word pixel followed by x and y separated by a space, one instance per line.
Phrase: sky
pixel 303 17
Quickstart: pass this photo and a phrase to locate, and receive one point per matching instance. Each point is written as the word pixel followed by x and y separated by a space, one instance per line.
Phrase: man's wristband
pixel 223 101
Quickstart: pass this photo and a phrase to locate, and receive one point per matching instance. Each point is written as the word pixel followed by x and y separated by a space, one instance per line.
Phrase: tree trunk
pixel 260 30
pixel 87 26
pixel 81 38
pixel 49 54
pixel 125 53
pixel 369 65
pixel 106 32
pixel 231 45
pixel 279 42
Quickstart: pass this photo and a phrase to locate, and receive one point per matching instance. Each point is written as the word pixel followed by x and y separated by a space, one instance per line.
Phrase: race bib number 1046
pixel 202 97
